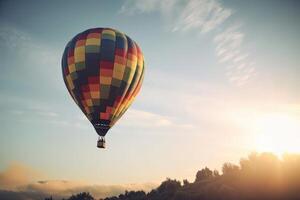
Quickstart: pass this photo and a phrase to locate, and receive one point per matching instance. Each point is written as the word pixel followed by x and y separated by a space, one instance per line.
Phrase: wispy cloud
pixel 135 6
pixel 32 111
pixel 12 38
pixel 148 119
pixel 36 112
pixel 22 43
pixel 32 56
pixel 239 67
pixel 21 181
pixel 38 73
pixel 49 117
pixel 204 16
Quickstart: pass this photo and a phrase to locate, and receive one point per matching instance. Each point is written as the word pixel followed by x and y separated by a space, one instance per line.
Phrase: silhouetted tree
pixel 230 169
pixel 259 176
pixel 82 196
pixel 165 191
pixel 203 174
pixel 169 185
pixel 185 182
pixel 216 173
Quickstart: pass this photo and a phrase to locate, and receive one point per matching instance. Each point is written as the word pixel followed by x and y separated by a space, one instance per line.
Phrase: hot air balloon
pixel 103 70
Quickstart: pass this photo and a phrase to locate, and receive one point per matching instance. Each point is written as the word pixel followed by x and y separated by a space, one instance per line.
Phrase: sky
pixel 221 81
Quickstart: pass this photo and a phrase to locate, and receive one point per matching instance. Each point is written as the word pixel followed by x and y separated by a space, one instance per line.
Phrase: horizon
pixel 221 81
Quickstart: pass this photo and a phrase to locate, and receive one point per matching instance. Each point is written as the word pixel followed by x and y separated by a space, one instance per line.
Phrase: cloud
pixel 16 175
pixel 33 111
pixel 189 105
pixel 39 113
pixel 203 16
pixel 32 97
pixel 239 67
pixel 151 120
pixel 22 55
pixel 49 117
pixel 13 38
pixel 22 182
pixel 67 188
pixel 135 6
pixel 21 43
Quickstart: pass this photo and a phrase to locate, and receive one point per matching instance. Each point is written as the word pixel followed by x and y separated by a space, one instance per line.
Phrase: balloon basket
pixel 101 143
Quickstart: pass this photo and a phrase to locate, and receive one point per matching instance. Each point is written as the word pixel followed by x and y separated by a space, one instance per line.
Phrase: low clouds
pixel 22 182
pixel 67 188
pixel 16 175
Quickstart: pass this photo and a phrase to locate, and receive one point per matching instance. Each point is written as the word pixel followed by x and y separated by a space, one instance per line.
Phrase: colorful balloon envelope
pixel 103 70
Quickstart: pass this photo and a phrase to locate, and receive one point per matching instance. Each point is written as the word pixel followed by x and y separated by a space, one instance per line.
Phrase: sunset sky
pixel 221 81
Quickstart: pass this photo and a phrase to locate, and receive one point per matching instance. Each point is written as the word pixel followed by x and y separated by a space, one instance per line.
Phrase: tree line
pixel 259 177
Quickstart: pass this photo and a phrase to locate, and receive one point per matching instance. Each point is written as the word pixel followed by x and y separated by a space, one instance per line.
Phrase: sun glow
pixel 278 133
